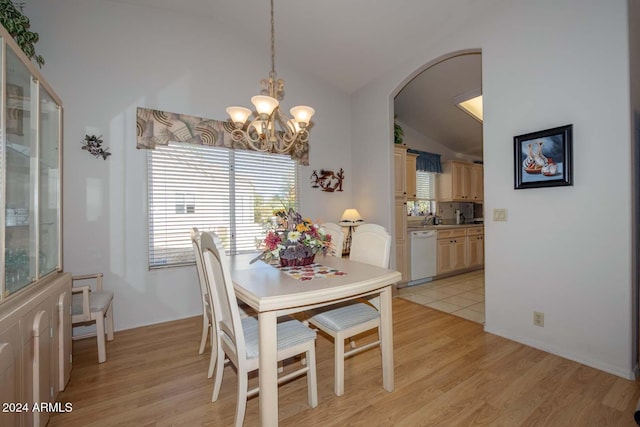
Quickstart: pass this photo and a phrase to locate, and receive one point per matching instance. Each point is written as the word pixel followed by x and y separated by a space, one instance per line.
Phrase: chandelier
pixel 268 129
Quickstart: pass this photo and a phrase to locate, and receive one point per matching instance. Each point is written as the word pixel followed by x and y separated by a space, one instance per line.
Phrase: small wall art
pixel 327 180
pixel 93 144
pixel 544 158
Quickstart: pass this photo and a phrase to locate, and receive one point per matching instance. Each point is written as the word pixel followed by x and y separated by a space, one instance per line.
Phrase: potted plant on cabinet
pixel 17 24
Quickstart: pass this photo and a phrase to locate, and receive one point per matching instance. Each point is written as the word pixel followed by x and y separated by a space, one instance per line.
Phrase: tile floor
pixel 461 295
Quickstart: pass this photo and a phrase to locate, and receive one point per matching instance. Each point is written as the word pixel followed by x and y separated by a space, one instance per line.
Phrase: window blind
pixel 232 193
pixel 425 183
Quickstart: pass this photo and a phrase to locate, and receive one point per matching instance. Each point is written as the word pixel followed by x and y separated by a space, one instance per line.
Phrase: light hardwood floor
pixel 448 372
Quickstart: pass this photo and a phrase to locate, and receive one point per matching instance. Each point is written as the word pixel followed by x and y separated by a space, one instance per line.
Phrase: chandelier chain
pixel 273 44
pixel 268 129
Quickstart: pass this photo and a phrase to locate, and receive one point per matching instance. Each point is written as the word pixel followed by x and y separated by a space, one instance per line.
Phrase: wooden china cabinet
pixel 35 294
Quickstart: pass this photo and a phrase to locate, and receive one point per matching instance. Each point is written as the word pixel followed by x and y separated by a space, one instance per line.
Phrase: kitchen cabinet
pixel 460 249
pixel 475 246
pixel 477 183
pixel 400 176
pixel 404 186
pixel 401 244
pixel 452 250
pixel 410 169
pixel 460 182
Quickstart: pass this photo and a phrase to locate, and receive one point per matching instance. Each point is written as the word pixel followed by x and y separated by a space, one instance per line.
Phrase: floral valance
pixel 155 127
pixel 427 162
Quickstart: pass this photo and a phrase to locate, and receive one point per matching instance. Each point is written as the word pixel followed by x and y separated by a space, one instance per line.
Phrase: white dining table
pixel 273 293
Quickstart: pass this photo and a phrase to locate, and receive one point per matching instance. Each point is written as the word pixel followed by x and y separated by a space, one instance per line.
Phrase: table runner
pixel 311 271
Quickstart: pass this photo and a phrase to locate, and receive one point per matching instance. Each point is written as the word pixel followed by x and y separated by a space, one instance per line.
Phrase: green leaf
pixel 18 24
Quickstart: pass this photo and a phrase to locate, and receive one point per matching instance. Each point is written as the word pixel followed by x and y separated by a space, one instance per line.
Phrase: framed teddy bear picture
pixel 543 158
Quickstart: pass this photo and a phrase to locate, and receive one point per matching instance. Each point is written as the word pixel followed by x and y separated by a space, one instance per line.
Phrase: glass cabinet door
pixel 30 173
pixel 49 188
pixel 20 177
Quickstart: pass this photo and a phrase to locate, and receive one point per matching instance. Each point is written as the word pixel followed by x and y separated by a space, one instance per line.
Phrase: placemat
pixel 311 271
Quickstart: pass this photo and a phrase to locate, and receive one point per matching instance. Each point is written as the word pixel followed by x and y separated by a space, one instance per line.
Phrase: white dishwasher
pixel 423 255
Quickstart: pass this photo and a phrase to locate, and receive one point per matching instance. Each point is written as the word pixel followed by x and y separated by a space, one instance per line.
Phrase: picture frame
pixel 543 158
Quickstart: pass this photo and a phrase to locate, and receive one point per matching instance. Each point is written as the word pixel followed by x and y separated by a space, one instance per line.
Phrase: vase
pixel 296 262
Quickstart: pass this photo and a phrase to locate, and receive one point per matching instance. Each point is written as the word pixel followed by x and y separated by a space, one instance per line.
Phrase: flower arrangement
pixel 294 240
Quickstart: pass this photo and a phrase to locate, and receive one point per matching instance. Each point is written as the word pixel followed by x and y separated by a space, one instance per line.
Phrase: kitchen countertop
pixel 440 227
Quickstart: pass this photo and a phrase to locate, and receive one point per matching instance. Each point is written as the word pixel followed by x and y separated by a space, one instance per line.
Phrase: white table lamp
pixel 350 218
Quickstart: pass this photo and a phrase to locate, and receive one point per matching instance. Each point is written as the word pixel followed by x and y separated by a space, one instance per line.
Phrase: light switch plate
pixel 500 214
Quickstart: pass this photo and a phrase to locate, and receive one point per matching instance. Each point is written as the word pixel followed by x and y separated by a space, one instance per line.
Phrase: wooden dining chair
pixel 337 238
pixel 93 305
pixel 370 244
pixel 238 337
pixel 207 308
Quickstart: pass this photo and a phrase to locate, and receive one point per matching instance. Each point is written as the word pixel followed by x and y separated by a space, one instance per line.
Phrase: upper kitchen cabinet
pixel 400 178
pixel 30 173
pixel 404 166
pixel 410 172
pixel 460 182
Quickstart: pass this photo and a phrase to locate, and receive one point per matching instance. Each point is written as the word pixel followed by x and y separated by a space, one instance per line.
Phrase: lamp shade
pixel 351 216
pixel 302 114
pixel 238 114
pixel 264 104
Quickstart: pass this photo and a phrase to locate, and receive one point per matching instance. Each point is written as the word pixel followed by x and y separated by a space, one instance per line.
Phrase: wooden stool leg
pixel 110 322
pixel 102 352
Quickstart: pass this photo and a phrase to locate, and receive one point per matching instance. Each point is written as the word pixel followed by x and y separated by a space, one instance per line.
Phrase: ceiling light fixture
pixel 471 103
pixel 269 129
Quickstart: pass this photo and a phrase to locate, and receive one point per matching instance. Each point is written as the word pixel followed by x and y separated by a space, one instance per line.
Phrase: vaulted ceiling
pixel 427 105
pixel 348 43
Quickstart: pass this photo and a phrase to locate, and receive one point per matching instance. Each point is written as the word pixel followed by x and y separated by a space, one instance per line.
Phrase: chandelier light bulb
pixel 238 115
pixel 302 114
pixel 264 104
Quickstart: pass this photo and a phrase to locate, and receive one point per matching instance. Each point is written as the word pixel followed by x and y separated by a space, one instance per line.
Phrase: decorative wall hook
pixel 93 144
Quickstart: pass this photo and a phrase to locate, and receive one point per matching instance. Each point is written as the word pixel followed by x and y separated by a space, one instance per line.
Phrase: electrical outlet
pixel 538 318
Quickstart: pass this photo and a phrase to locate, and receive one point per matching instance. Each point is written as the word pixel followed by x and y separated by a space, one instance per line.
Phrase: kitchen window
pixel 425 195
pixel 231 192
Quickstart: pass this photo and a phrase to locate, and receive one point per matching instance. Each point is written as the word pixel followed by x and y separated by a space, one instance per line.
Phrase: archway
pixel 425 107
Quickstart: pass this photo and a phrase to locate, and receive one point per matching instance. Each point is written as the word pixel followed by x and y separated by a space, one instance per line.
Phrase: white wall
pixel 565 251
pixel 105 59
